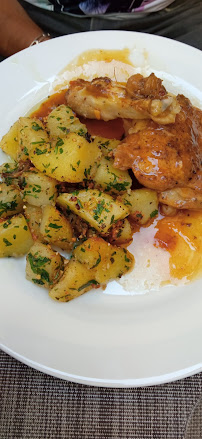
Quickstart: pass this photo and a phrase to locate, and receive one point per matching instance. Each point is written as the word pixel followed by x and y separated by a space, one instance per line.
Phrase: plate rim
pixel 156 380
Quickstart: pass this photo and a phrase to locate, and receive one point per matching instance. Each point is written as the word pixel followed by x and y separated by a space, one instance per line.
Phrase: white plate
pixel 99 339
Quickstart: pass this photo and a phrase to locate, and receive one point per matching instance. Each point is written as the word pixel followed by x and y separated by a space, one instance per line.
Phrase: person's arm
pixel 16 28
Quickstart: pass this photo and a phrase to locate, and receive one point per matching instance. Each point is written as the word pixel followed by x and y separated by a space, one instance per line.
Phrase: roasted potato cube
pixel 44 266
pixel 9 173
pixel 142 203
pixel 56 229
pixel 106 145
pixel 71 159
pixel 62 120
pixel 31 133
pixel 110 179
pixel 121 233
pixel 76 280
pixel 106 260
pixel 8 168
pixel 39 189
pixel 100 210
pixel 9 142
pixel 33 214
pixel 15 237
pixel 10 200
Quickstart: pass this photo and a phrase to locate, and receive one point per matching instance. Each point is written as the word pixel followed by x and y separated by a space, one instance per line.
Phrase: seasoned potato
pixel 10 173
pixel 71 159
pixel 142 203
pixel 110 179
pixel 76 280
pixel 10 200
pixel 44 266
pixel 62 120
pixel 9 142
pixel 33 215
pixel 56 229
pixel 121 233
pixel 31 133
pixel 106 145
pixel 8 168
pixel 15 237
pixel 100 210
pixel 106 260
pixel 39 189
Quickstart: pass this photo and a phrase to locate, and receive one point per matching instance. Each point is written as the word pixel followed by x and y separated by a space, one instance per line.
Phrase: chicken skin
pixel 164 157
pixel 141 98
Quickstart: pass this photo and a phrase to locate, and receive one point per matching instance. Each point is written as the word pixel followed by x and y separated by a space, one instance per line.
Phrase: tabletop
pixel 37 406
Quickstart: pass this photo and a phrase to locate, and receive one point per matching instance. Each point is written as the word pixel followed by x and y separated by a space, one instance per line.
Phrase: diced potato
pixel 62 120
pixel 8 168
pixel 106 260
pixel 33 214
pixel 72 159
pixel 56 229
pixel 106 145
pixel 39 189
pixel 76 280
pixel 142 203
pixel 31 133
pixel 10 200
pixel 8 173
pixel 44 266
pixel 15 237
pixel 100 210
pixel 9 142
pixel 121 233
pixel 110 179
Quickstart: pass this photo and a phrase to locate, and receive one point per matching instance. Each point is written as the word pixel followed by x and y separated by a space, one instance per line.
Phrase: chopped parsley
pixel 8 243
pixel 54 226
pixel 97 262
pixel 36 127
pixel 25 150
pixel 40 152
pixel 99 209
pixel 90 282
pixel 5 225
pixel 37 264
pixel 6 207
pixel 154 213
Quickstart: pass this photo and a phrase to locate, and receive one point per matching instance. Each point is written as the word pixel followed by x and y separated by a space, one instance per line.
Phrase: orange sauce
pixel 100 55
pixel 180 235
pixel 112 129
pixel 49 104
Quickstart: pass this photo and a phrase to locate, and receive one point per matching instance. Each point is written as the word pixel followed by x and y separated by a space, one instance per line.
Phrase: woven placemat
pixel 37 406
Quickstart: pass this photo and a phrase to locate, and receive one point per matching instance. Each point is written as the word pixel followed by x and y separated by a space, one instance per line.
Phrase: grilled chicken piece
pixel 166 157
pixel 106 100
pixel 181 198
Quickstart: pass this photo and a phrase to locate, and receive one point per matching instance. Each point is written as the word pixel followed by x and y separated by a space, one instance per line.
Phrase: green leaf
pixel 97 262
pixel 36 127
pixel 154 213
pixel 54 226
pixel 90 282
pixel 8 243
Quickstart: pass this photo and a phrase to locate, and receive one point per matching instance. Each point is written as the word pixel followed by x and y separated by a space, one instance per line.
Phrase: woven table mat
pixel 36 406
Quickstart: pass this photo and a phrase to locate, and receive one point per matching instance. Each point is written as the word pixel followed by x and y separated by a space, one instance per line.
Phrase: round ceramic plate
pixel 108 338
